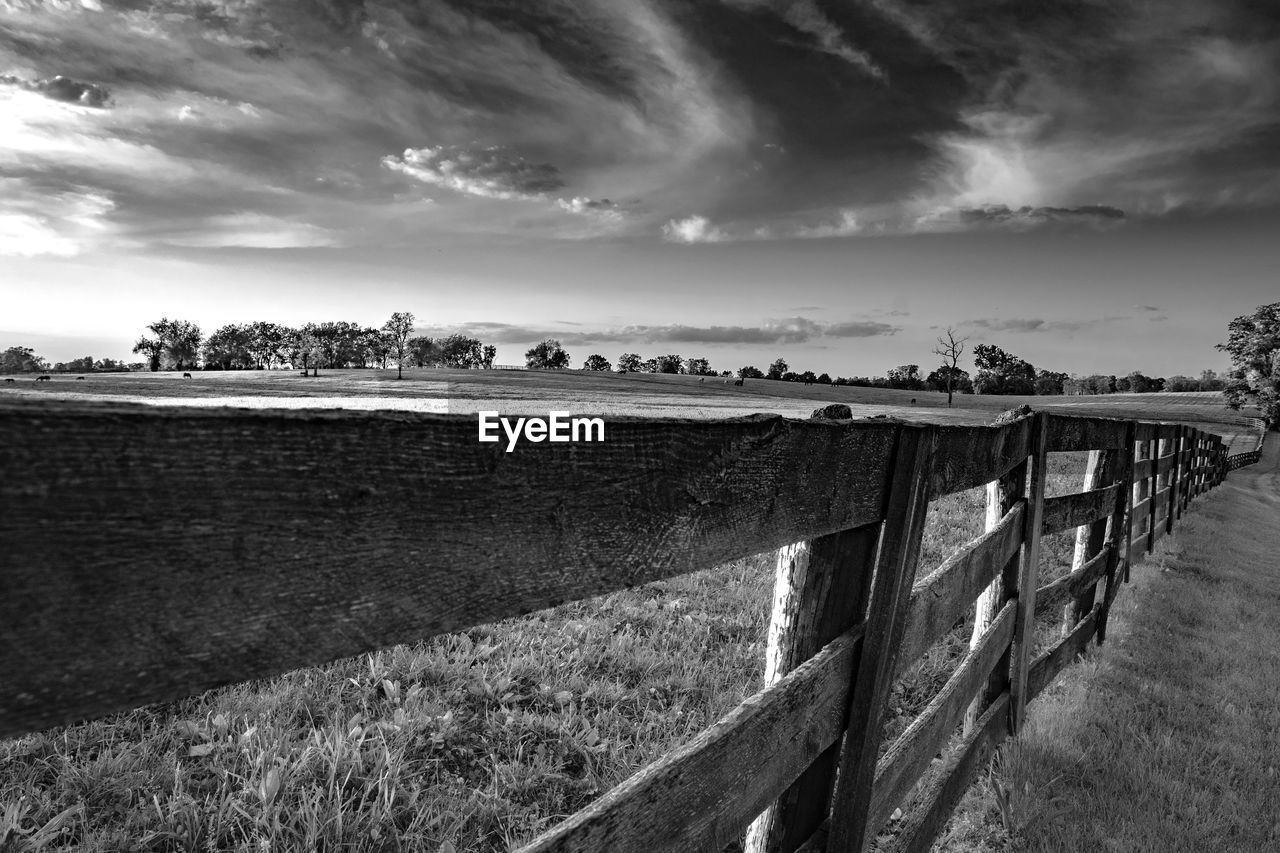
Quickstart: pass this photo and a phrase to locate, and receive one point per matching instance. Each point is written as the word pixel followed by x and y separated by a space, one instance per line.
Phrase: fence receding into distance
pixel 148 554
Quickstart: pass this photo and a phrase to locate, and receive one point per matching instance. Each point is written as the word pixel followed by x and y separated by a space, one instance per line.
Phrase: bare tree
pixel 950 349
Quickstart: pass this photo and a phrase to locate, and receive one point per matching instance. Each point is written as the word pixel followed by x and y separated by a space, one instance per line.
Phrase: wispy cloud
pixel 487 173
pixel 693 229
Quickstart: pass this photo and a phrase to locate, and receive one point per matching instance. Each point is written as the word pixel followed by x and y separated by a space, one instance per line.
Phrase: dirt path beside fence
pixel 1168 737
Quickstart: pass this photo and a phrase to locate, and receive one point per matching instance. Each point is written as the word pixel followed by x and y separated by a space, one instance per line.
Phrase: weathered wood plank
pixel 902 765
pixel 922 826
pixel 1028 571
pixel 1146 430
pixel 1103 467
pixel 1161 504
pixel 1068 433
pixel 151 553
pixel 1141 510
pixel 1142 469
pixel 1048 665
pixel 943 597
pixel 968 457
pixel 1067 511
pixel 1166 463
pixel 1074 583
pixel 896 562
pixel 702 795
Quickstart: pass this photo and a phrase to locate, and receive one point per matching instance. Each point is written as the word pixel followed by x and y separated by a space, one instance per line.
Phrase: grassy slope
pixel 1168 737
pixel 472 740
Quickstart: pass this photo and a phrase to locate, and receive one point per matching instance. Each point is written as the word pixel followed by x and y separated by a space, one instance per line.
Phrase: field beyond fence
pixel 151 554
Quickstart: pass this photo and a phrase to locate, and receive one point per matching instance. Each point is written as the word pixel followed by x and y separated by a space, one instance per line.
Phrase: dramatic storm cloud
pixel 657 171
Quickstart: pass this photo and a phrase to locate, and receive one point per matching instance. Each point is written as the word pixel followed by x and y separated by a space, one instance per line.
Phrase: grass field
pixel 476 740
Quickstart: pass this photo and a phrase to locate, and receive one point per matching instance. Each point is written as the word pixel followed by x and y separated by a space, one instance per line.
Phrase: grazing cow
pixel 913 401
pixel 738 382
pixel 8 379
pixel 44 378
pixel 808 382
pixel 702 379
pixel 184 376
pixel 79 377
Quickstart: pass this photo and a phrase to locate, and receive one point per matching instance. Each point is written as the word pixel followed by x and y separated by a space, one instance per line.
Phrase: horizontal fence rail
pixel 148 554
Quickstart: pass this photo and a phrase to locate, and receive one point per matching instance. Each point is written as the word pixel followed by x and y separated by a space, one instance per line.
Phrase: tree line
pixel 1253 344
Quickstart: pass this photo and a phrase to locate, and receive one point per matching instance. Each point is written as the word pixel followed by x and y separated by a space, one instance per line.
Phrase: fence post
pixel 1157 447
pixel 896 560
pixel 1028 575
pixel 1002 495
pixel 1141 487
pixel 1175 481
pixel 819 593
pixel 1120 527
pixel 820 589
pixel 1090 539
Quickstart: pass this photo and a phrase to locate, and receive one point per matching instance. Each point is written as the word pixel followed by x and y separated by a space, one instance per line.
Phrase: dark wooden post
pixel 1120 530
pixel 1175 481
pixel 1028 576
pixel 1157 447
pixel 896 561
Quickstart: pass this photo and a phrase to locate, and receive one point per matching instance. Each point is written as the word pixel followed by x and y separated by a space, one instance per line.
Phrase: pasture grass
pixel 473 741
pixel 1168 736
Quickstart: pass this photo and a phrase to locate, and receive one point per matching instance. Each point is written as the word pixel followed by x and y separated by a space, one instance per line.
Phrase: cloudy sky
pixel 1092 185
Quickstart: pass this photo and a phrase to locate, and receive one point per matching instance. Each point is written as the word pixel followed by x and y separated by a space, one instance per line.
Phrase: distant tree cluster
pixel 633 362
pixel 25 360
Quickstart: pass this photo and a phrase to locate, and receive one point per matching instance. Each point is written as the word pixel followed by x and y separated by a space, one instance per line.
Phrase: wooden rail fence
pixel 148 554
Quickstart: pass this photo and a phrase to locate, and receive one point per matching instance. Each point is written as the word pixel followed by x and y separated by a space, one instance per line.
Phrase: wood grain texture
pixel 1046 667
pixel 1103 467
pixel 911 753
pixel 1146 430
pixel 1142 469
pixel 886 617
pixel 921 826
pixel 820 591
pixel 1066 511
pixel 1118 534
pixel 702 795
pixel 1073 584
pixel 1028 572
pixel 1169 461
pixel 968 457
pixel 943 597
pixel 1066 433
pixel 152 553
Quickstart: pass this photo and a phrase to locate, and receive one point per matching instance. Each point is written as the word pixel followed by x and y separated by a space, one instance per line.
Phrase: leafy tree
pixel 950 348
pixel 650 366
pixel 1253 342
pixel 268 343
pixel 459 350
pixel 548 354
pixel 824 379
pixel 1210 381
pixel 750 372
pixel 950 379
pixel 487 355
pixel 1000 372
pixel 423 351
pixel 1049 383
pixel 906 377
pixel 630 361
pixel 397 331
pixel 776 369
pixel 183 343
pixel 597 362
pixel 668 364
pixel 229 347
pixel 699 367
pixel 152 348
pixel 22 360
